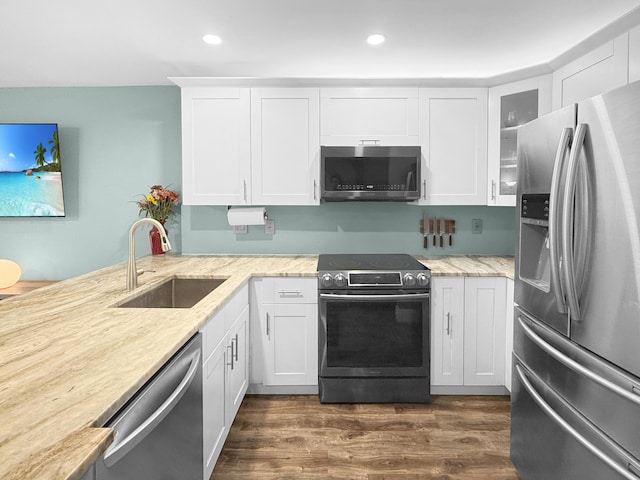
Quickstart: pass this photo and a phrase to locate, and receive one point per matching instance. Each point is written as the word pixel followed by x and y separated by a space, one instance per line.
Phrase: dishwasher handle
pixel 119 448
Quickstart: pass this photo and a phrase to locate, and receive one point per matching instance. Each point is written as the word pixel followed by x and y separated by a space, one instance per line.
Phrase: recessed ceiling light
pixel 375 39
pixel 211 39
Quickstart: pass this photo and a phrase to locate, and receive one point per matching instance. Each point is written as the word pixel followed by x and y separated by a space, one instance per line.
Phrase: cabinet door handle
pixel 230 347
pixel 370 141
pixel 315 188
pixel 235 355
pixel 424 189
pixel 244 190
pixel 267 324
pixel 448 323
pixel 493 190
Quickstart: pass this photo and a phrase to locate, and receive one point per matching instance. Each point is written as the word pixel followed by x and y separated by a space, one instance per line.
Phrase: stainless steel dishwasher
pixel 158 433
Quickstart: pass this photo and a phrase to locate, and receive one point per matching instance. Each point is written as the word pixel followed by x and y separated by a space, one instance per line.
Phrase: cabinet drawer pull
pixel 448 323
pixel 289 292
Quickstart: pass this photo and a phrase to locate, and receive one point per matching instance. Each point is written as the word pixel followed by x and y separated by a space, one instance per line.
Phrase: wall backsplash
pixel 118 141
pixel 353 227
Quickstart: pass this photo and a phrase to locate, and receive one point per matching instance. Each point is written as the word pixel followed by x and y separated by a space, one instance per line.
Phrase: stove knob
pixel 326 280
pixel 409 279
pixel 341 280
pixel 423 280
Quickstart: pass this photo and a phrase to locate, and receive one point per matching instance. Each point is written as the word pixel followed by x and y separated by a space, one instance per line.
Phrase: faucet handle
pixel 164 242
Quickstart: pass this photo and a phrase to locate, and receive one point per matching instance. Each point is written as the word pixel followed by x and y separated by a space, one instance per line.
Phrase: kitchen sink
pixel 177 292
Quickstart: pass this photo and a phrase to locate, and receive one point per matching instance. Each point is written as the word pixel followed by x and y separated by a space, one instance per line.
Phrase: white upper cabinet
pixel 369 116
pixel 453 139
pixel 285 143
pixel 634 55
pixel 599 71
pixel 510 106
pixel 216 152
pixel 243 146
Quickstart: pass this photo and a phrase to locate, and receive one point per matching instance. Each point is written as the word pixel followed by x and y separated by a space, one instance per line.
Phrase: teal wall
pixel 118 141
pixel 114 144
pixel 357 227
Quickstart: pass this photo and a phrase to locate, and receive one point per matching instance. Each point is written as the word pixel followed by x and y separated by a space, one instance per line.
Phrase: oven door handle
pixel 407 296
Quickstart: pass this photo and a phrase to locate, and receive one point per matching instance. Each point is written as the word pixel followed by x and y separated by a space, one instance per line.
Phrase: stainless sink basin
pixel 175 293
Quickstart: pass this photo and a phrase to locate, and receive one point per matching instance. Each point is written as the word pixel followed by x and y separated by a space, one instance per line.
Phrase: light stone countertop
pixel 69 360
pixel 464 266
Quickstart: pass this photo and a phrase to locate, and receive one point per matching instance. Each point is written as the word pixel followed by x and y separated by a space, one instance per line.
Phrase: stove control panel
pixel 370 279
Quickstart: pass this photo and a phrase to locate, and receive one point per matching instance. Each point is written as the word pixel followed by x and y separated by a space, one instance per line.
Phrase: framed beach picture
pixel 30 170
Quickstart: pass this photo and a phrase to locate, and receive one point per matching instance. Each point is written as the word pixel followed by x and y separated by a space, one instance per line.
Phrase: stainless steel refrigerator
pixel 576 361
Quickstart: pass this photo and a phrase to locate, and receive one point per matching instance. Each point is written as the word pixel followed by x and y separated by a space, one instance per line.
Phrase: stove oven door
pixel 373 334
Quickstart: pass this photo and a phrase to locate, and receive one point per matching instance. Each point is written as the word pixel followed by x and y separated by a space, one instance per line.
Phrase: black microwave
pixel 369 173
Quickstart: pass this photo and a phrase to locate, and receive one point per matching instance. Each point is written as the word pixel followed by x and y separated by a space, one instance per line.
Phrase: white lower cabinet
pixel 225 373
pixel 284 346
pixel 214 415
pixel 447 330
pixel 238 349
pixel 485 303
pixel 289 344
pixel 468 317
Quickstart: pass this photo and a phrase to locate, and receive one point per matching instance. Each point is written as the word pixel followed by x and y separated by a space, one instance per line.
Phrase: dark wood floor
pixel 297 437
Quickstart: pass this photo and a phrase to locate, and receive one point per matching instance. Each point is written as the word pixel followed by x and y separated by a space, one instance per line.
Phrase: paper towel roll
pixel 247 216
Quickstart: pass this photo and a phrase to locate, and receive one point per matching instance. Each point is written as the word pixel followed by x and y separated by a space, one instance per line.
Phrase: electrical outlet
pixel 239 229
pixel 270 227
pixel 476 226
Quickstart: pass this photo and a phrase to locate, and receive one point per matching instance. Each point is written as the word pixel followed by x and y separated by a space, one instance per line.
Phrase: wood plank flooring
pixel 297 437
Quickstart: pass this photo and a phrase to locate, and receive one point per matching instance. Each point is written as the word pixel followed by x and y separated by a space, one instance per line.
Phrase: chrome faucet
pixel 132 271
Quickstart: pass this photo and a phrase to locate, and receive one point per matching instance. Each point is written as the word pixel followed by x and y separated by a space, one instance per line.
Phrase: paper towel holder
pixel 237 216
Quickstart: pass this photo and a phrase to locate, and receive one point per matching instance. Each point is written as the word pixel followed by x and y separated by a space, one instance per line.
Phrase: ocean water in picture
pixel 30 171
pixel 37 195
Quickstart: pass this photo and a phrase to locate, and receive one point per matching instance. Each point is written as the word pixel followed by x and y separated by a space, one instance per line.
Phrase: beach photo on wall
pixel 30 170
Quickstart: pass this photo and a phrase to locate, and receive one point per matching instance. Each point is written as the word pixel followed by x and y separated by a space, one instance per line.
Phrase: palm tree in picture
pixel 39 155
pixel 55 150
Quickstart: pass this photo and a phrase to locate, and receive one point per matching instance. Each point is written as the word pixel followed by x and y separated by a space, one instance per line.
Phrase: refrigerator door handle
pixel 629 394
pixel 627 473
pixel 554 218
pixel 568 270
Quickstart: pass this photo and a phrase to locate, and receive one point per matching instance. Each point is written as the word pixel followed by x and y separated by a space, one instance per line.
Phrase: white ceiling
pixel 142 42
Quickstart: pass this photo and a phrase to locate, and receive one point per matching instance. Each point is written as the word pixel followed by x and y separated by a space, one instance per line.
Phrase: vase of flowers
pixel 158 204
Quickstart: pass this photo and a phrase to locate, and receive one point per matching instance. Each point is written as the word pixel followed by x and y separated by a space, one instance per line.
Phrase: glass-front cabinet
pixel 511 106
